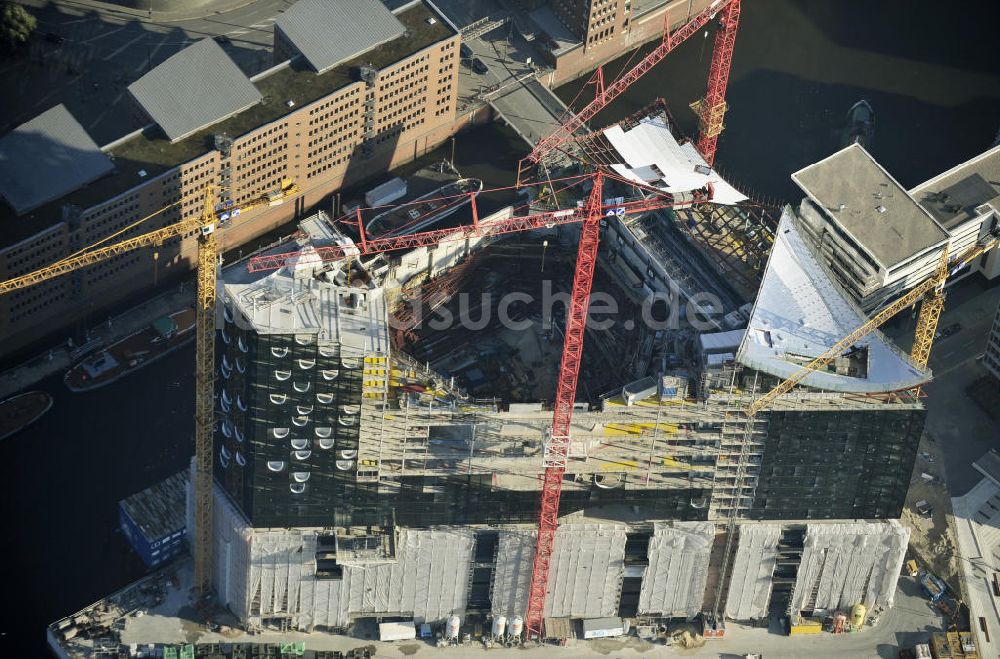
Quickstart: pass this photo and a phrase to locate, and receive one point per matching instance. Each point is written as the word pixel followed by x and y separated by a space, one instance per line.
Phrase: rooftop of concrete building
pixel 989 465
pixel 954 196
pixel 977 526
pixel 870 205
pixel 311 297
pixel 159 509
pixel 150 153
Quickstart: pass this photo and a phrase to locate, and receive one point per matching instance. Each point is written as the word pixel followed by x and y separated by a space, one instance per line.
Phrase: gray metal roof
pixel 870 205
pixel 989 465
pixel 328 32
pixel 193 89
pixel 47 157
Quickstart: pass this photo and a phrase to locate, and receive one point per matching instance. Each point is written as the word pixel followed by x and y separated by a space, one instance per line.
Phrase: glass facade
pixel 843 464
pixel 288 409
pixel 289 415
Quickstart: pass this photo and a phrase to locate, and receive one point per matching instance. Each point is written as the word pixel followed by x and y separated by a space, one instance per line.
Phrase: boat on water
pixel 20 411
pixel 860 123
pixel 140 349
pixel 425 210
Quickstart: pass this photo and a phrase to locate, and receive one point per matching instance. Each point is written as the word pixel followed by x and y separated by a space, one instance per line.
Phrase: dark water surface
pixel 932 78
pixel 931 75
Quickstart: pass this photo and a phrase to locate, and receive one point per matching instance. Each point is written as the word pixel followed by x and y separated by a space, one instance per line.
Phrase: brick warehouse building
pixel 578 35
pixel 342 104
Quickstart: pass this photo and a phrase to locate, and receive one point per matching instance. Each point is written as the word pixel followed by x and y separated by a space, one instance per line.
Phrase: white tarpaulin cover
pixel 844 564
pixel 588 564
pixel 512 575
pixel 674 582
pixel 800 313
pixel 585 575
pixel 652 156
pixel 262 573
pixel 753 567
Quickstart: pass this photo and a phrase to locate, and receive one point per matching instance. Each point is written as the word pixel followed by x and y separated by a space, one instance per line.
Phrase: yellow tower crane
pixel 205 224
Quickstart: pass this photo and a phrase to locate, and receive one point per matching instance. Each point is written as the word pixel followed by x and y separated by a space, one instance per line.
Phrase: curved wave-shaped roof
pixel 800 313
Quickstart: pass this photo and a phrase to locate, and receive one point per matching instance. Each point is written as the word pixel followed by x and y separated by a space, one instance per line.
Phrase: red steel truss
pixel 557 448
pixel 574 122
pixel 475 230
pixel 712 108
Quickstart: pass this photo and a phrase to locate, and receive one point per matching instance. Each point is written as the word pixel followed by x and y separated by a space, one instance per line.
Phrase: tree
pixel 16 25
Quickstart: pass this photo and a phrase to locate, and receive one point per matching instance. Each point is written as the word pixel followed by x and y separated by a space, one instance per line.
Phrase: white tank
pixel 499 625
pixel 516 626
pixel 454 624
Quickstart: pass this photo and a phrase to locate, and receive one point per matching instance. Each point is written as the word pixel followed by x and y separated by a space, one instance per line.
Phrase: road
pixel 954 421
pixel 105 49
pixel 533 112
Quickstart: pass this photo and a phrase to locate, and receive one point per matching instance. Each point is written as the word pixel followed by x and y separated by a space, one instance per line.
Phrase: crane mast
pixel 712 108
pixel 557 447
pixel 208 259
pixel 204 404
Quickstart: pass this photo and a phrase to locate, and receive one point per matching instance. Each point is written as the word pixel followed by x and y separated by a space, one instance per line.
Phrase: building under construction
pixel 736 441
pixel 355 481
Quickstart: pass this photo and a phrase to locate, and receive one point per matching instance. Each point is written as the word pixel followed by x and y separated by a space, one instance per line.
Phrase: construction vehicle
pixel 205 224
pixel 799 625
pixel 589 214
pixel 930 295
pixel 932 586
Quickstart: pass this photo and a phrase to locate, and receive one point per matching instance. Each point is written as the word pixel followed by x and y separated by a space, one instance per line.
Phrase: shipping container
pixel 390 191
pixel 603 627
pixel 397 631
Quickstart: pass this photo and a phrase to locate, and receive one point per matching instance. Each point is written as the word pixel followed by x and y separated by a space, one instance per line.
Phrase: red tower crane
pixel 710 110
pixel 556 450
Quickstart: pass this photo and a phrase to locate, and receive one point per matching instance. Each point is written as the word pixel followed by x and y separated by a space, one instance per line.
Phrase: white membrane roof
pixel 800 313
pixel 652 156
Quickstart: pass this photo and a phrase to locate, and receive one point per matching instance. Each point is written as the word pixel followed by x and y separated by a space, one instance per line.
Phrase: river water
pixel 931 77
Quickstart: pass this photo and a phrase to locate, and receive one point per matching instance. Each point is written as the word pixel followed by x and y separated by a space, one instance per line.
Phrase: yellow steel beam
pixel 930 313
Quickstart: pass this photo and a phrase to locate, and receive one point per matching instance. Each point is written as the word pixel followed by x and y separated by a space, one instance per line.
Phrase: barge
pixel 140 349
